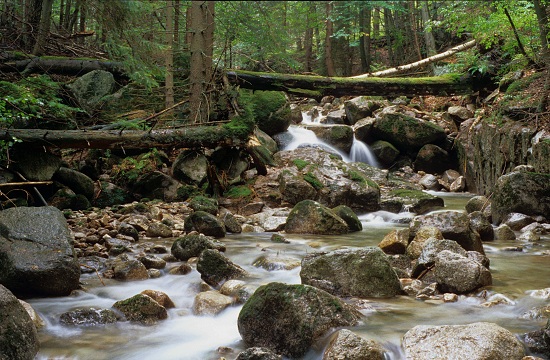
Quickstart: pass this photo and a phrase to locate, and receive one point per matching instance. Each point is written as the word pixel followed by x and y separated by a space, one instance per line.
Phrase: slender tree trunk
pixel 414 29
pixel 542 19
pixel 329 62
pixel 61 13
pixel 365 39
pixel 428 35
pixel 169 59
pixel 388 30
pixel 44 28
pixel 201 29
pixel 188 34
pixel 82 22
pixel 33 10
pixel 308 42
pixel 67 19
pixel 376 24
pixel 74 16
pixel 177 15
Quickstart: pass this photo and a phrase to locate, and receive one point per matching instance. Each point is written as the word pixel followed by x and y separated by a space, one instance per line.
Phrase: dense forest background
pixel 170 50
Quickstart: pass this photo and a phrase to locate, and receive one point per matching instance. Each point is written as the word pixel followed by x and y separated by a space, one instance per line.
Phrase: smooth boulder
pixel 18 336
pixel 192 245
pixel 36 253
pixel 215 268
pixel 288 319
pixel 480 340
pixel 460 274
pixel 346 345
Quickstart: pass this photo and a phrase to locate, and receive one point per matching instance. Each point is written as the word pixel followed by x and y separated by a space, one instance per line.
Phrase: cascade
pixel 360 152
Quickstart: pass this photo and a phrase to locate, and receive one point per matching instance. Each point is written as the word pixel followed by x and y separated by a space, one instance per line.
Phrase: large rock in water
pixel 192 245
pixel 480 340
pixel 432 159
pixel 288 319
pixel 522 192
pixel 36 255
pixel 363 273
pixel 453 225
pixel 459 274
pixel 18 337
pixel 205 223
pixel 310 217
pixel 215 268
pixel 406 133
pixel 346 345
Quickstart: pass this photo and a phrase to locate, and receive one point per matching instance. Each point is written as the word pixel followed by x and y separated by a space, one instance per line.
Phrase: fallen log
pixel 318 86
pixel 63 66
pixel 190 137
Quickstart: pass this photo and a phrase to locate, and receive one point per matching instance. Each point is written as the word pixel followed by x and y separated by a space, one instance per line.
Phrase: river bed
pixel 184 336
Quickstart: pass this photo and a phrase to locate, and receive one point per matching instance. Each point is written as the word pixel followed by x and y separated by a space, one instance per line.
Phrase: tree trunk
pixel 429 39
pixel 317 86
pixel 169 57
pixel 44 27
pixel 33 11
pixel 329 63
pixel 364 38
pixel 388 30
pixel 177 15
pixel 542 19
pixel 308 41
pixel 415 30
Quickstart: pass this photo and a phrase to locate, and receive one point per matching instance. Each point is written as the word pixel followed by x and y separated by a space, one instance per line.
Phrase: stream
pixel 186 336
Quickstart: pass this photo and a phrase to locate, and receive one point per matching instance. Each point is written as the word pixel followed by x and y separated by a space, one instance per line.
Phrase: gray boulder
pixel 339 136
pixel 517 221
pixel 91 88
pixel 110 194
pixel 346 345
pixel 206 224
pixel 472 341
pixel 459 274
pixel 503 232
pixel 459 113
pixel 415 201
pixel 363 129
pixel 18 336
pixel 523 192
pixel 88 317
pixel 231 163
pixel 36 253
pixel 477 203
pixel 76 181
pixel 215 268
pixel 363 273
pixel 479 223
pixel 453 225
pixel 192 245
pixel 359 108
pixel 190 167
pixel 288 319
pixel 430 182
pixel 157 185
pixel 36 165
pixel 432 159
pixel 258 353
pixel 310 217
pixel 129 269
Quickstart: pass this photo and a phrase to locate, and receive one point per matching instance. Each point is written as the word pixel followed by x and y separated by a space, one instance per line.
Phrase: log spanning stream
pixel 186 336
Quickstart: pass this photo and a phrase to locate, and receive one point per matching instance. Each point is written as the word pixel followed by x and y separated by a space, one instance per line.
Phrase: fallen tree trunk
pixel 189 137
pixel 63 66
pixel 318 86
pixel 423 62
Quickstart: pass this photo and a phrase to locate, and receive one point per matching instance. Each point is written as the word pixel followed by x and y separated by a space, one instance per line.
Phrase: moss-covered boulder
pixel 91 88
pixel 141 308
pixel 288 319
pixel 385 152
pixel 406 133
pixel 203 203
pixel 157 185
pixel 231 163
pixel 110 194
pixel 349 216
pixel 270 110
pixel 76 181
pixel 192 245
pixel 35 164
pixel 18 336
pixel 205 223
pixel 310 217
pixel 363 273
pixel 522 192
pixel 215 268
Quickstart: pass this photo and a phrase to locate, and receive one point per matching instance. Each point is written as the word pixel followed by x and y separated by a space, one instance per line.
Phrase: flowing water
pixel 186 336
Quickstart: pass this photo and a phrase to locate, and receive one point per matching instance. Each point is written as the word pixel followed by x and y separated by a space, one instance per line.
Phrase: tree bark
pixel 364 38
pixel 317 86
pixel 329 63
pixel 169 57
pixel 43 28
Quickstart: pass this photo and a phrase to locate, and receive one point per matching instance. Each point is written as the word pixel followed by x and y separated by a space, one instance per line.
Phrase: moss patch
pixel 313 180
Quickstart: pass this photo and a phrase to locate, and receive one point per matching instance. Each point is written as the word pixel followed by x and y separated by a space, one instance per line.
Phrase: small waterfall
pixel 312 117
pixel 360 152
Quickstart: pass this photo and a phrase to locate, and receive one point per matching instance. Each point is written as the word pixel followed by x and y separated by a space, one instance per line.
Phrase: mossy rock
pixel 415 201
pixel 192 245
pixel 310 217
pixel 349 216
pixel 203 203
pixel 270 110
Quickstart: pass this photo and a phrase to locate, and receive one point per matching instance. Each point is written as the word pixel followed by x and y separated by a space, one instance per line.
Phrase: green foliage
pixel 130 169
pixel 313 180
pixel 300 164
pixel 184 192
pixel 239 192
